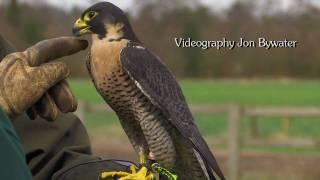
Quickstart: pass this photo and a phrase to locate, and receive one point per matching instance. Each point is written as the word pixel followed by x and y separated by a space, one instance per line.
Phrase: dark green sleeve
pixel 12 160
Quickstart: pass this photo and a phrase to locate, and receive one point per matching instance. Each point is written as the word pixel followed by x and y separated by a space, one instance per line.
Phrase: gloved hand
pixel 26 78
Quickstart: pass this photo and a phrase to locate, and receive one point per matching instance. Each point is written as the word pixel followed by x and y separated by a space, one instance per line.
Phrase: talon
pixel 133 169
pixel 105 175
pixel 142 174
pixel 150 177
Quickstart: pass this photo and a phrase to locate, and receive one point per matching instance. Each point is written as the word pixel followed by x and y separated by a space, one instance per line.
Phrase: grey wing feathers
pixel 162 89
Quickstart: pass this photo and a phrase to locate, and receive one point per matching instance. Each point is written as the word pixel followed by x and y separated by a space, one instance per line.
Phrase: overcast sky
pixel 126 4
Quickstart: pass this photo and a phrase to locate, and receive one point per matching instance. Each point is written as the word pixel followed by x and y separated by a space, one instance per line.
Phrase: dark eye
pixel 91 14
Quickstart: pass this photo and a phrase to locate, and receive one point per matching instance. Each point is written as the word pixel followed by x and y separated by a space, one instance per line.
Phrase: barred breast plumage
pixel 142 122
pixel 137 116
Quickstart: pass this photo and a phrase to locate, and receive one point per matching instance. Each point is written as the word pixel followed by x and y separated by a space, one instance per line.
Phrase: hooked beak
pixel 80 28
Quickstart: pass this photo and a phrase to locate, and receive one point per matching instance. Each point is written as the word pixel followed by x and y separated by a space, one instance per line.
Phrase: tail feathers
pixel 204 166
pixel 203 149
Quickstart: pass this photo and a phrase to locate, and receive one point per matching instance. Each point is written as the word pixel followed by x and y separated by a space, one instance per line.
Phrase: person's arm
pixel 12 160
pixel 25 77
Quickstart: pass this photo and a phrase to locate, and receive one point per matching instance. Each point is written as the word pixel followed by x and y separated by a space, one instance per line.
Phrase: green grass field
pixel 291 93
pixel 251 93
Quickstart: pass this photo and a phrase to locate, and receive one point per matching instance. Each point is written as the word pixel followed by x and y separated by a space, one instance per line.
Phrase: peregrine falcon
pixel 144 94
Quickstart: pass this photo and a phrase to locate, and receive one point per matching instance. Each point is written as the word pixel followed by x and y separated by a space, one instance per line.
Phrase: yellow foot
pixel 142 174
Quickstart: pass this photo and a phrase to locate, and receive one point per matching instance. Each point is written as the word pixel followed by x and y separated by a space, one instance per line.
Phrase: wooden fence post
pixel 254 128
pixel 234 144
pixel 285 127
pixel 81 111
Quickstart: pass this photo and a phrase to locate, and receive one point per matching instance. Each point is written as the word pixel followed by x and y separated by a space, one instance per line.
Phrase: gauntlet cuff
pixel 5 106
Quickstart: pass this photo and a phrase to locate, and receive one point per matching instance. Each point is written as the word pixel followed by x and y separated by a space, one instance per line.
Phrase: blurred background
pixel 258 109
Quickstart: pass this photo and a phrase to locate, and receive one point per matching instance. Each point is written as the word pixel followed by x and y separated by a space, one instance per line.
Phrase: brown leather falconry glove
pixel 29 80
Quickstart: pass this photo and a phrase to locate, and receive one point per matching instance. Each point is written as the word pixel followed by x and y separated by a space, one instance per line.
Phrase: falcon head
pixel 106 21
